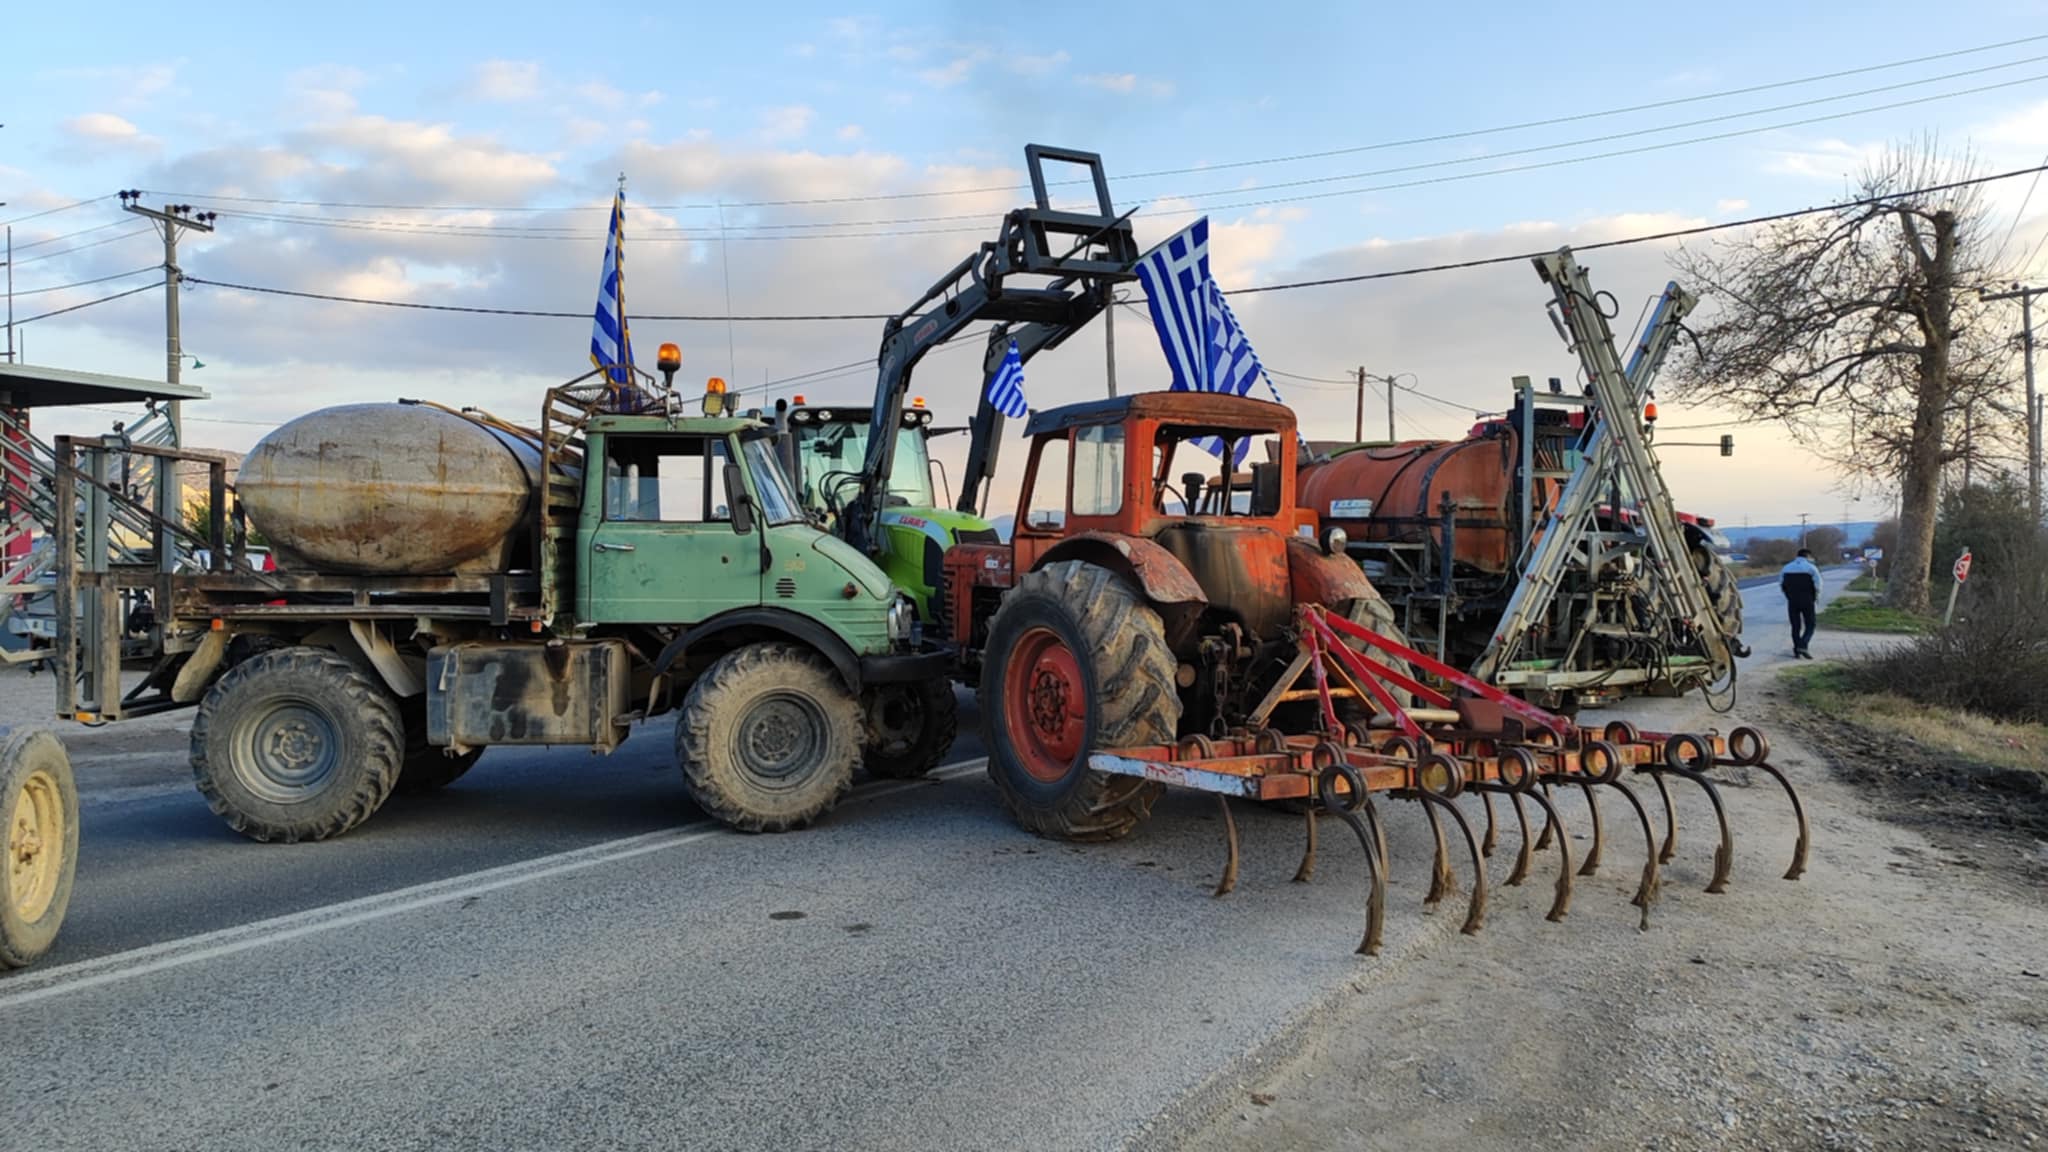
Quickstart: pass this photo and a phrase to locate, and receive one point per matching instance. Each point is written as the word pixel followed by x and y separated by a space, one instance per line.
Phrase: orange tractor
pixel 1157 619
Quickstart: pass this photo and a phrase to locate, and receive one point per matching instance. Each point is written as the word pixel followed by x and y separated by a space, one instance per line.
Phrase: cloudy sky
pixel 833 159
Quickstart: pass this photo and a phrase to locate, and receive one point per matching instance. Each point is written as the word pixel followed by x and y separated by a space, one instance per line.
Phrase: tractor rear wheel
pixel 39 820
pixel 428 768
pixel 1075 662
pixel 768 738
pixel 910 728
pixel 1722 592
pixel 296 744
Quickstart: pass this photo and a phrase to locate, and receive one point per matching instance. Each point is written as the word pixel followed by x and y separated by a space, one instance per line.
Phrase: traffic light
pixel 1727 444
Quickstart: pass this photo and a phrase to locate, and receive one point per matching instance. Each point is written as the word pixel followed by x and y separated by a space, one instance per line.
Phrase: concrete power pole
pixel 1803 518
pixel 173 220
pixel 2034 407
pixel 1389 381
pixel 1358 421
pixel 1109 341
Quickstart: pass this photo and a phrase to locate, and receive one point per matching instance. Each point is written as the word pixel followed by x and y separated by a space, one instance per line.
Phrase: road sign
pixel 1962 569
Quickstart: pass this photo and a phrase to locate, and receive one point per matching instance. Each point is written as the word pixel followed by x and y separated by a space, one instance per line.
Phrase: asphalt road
pixel 559 951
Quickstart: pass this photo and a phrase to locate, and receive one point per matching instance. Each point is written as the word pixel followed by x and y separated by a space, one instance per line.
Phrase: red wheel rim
pixel 1045 705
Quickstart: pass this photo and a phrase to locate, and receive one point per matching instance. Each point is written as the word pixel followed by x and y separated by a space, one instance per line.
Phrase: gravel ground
pixel 1892 999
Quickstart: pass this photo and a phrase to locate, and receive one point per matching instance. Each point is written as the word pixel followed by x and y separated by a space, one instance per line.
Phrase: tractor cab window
pixel 1189 476
pixel 670 479
pixel 1045 504
pixel 830 456
pixel 1099 470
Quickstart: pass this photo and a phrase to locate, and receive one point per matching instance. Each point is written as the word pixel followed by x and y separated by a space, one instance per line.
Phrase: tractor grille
pixel 785 588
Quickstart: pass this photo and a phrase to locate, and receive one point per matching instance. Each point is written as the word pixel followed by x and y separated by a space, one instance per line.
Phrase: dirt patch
pixel 1893 998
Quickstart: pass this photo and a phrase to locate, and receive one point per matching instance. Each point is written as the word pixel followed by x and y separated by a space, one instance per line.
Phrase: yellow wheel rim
pixel 35 847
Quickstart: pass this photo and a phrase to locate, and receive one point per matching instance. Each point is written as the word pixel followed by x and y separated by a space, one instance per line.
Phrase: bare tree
pixel 1860 329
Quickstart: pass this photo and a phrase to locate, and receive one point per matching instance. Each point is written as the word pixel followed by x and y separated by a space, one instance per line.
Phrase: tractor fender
pixel 1315 577
pixel 762 623
pixel 1157 574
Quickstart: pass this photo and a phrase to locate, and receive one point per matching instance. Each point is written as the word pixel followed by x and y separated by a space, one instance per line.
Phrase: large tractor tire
pixel 39 807
pixel 768 738
pixel 296 744
pixel 910 728
pixel 1723 592
pixel 427 768
pixel 1075 662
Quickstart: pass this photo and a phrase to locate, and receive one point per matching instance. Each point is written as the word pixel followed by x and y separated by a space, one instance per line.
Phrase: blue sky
pixel 501 109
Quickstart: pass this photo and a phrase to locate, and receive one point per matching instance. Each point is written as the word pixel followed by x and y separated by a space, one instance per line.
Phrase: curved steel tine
pixel 1475 912
pixel 1563 902
pixel 1440 882
pixel 1379 835
pixel 1492 840
pixel 1592 864
pixel 1646 892
pixel 1229 881
pixel 1724 856
pixel 1799 810
pixel 1550 821
pixel 1522 857
pixel 1376 873
pixel 1307 871
pixel 1670 848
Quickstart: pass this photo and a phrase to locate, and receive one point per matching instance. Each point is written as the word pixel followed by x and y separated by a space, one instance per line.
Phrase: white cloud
pixel 103 127
pixel 788 123
pixel 1730 207
pixel 850 132
pixel 955 70
pixel 505 81
pixel 803 51
pixel 601 94
pixel 1112 81
pixel 1028 65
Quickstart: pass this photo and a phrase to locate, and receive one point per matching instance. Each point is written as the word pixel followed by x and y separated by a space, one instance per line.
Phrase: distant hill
pixel 1859 531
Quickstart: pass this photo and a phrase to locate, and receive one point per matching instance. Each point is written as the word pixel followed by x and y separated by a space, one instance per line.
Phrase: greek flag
pixel 1006 387
pixel 1204 346
pixel 611 340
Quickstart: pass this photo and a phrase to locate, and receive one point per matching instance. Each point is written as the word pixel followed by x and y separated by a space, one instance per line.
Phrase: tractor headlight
pixel 1335 540
pixel 901 617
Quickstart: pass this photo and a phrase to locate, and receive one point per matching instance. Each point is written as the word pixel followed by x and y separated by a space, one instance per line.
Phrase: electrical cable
pixel 83 247
pixel 83 283
pixel 531 312
pixel 57 209
pixel 87 304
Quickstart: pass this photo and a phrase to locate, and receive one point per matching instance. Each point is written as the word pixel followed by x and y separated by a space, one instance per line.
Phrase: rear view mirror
pixel 742 503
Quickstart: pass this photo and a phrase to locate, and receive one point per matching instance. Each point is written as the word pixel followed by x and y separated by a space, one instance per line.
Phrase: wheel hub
pixel 33 856
pixel 1046 705
pixel 781 737
pixel 286 754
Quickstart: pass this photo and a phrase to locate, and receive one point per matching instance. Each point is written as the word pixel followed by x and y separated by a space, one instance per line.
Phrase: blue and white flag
pixel 1006 387
pixel 1204 346
pixel 611 340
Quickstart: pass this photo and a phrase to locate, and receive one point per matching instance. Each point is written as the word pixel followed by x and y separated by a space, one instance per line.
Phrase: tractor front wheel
pixel 39 817
pixel 910 728
pixel 1075 662
pixel 768 738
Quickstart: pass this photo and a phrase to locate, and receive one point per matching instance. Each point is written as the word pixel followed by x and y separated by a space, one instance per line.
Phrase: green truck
pixel 447 581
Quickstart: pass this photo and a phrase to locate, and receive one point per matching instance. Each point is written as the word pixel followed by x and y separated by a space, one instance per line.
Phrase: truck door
pixel 663 550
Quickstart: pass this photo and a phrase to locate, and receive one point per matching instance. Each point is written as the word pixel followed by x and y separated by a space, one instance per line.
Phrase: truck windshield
pixel 778 503
pixel 829 456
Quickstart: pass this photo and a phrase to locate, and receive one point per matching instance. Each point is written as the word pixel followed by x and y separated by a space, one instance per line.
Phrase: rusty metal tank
pixel 390 489
pixel 1395 493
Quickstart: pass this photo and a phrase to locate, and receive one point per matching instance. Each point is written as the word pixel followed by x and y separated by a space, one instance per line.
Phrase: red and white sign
pixel 1962 568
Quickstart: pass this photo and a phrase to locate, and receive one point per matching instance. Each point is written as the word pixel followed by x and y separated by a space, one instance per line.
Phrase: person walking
pixel 1800 582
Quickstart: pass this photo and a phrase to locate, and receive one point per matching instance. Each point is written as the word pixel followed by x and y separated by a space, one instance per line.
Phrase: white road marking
pixel 122 966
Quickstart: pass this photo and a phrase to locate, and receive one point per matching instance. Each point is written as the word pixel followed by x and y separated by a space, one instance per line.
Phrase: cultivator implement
pixel 1466 738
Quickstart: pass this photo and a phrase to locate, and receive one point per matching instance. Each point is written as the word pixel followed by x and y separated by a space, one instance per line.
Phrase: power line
pixel 1160 172
pixel 2024 201
pixel 1669 234
pixel 59 208
pixel 673 234
pixel 531 312
pixel 87 304
pixel 67 235
pixel 83 247
pixel 83 283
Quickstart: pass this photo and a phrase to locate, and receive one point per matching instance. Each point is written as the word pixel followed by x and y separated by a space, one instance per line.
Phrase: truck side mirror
pixel 742 503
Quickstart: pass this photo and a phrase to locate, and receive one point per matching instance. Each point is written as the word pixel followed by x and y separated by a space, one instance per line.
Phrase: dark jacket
pixel 1800 581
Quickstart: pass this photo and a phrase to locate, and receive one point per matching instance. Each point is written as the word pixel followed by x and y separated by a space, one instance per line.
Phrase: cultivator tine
pixel 1646 892
pixel 1563 901
pixel 1724 856
pixel 1523 856
pixel 1370 840
pixel 1229 881
pixel 1670 848
pixel 1799 811
pixel 1492 840
pixel 1307 871
pixel 1592 864
pixel 1441 883
pixel 1475 912
pixel 1550 820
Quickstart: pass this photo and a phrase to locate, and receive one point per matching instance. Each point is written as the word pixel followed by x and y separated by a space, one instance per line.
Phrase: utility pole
pixel 1803 518
pixel 1389 382
pixel 1358 422
pixel 2026 298
pixel 10 293
pixel 170 222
